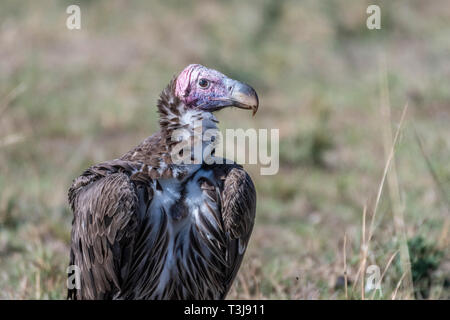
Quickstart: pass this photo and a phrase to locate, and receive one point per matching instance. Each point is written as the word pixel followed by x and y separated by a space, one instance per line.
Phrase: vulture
pixel 148 227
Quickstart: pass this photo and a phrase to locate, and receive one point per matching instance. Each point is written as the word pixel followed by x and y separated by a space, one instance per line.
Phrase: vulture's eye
pixel 203 83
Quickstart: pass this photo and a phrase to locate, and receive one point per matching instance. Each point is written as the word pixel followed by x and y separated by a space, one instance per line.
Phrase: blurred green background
pixel 72 98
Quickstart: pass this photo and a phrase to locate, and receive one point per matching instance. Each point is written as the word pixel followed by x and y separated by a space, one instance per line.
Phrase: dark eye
pixel 203 83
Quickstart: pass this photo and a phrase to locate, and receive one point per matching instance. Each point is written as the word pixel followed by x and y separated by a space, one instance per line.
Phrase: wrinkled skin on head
pixel 209 90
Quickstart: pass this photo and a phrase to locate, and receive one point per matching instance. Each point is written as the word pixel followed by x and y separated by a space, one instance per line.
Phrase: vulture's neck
pixel 178 124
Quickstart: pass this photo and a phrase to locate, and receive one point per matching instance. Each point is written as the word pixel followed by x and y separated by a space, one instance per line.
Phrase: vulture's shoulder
pixel 104 202
pixel 238 197
pixel 148 151
pixel 99 175
pixel 238 204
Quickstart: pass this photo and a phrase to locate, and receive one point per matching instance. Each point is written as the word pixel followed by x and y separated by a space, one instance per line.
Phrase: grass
pixel 69 99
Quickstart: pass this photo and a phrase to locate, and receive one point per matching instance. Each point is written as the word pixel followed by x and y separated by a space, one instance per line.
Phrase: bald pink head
pixel 207 89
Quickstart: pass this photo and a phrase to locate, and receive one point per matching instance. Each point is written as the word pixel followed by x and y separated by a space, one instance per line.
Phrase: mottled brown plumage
pixel 146 228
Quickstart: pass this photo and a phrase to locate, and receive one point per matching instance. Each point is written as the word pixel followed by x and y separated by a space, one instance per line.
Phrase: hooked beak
pixel 238 95
pixel 243 96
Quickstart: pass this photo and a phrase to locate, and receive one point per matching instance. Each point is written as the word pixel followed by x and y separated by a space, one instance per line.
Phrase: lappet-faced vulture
pixel 148 227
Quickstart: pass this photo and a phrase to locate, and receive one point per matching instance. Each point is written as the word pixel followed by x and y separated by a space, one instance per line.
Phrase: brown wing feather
pixel 238 213
pixel 103 234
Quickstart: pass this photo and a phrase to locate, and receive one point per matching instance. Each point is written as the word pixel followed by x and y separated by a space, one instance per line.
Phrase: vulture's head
pixel 208 90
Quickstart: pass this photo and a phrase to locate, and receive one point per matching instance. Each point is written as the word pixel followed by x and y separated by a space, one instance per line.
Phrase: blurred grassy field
pixel 69 99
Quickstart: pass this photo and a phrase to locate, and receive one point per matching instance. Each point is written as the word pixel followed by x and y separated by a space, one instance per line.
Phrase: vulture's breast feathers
pixel 178 239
